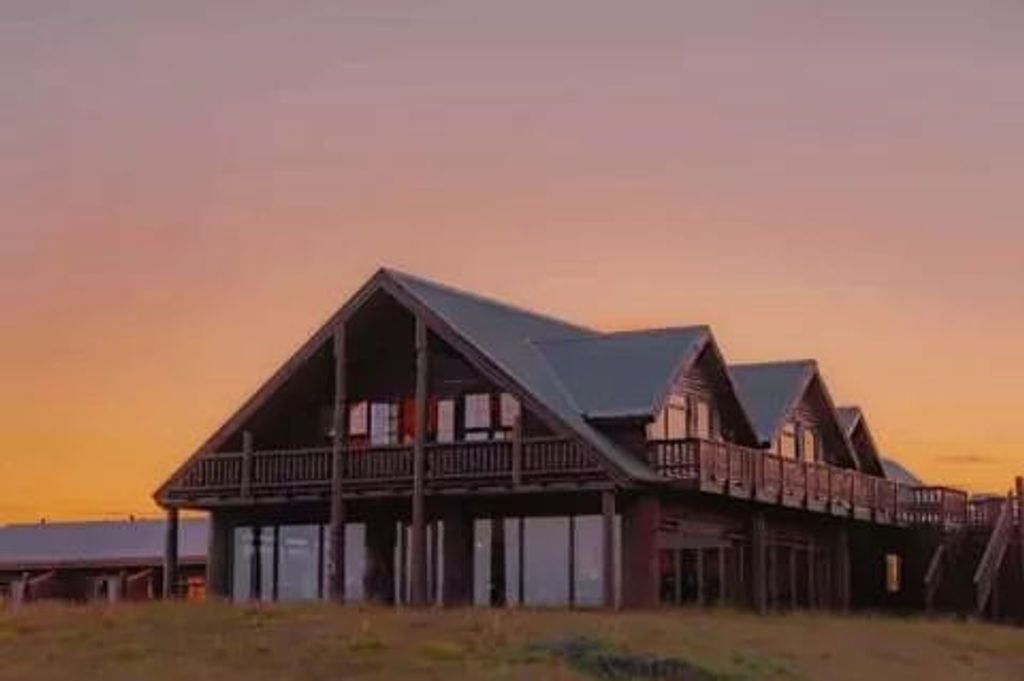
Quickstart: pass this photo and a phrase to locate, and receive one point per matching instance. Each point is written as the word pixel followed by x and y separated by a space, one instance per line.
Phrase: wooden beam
pixel 758 577
pixel 608 547
pixel 1020 529
pixel 842 569
pixel 171 555
pixel 418 562
pixel 245 486
pixel 701 595
pixel 336 572
pixel 256 565
pixel 498 591
pixel 521 561
pixel 721 575
pixel 572 561
pixel 517 451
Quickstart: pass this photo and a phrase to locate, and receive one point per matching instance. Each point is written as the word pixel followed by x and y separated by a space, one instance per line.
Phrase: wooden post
pixel 521 562
pixel 572 561
pixel 1020 530
pixel 217 572
pixel 419 528
pixel 275 562
pixel 458 557
pixel 843 568
pixel 758 577
pixel 336 571
pixel 171 555
pixel 433 563
pixel 721 575
pixel 517 451
pixel 403 564
pixel 812 587
pixel 498 591
pixel 246 485
pixel 608 547
pixel 256 565
pixel 701 596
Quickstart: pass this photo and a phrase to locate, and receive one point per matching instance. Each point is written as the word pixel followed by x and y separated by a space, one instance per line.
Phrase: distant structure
pixel 97 561
pixel 428 445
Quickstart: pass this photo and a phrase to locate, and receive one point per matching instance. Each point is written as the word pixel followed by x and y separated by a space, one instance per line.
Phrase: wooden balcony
pixel 307 473
pixel 725 468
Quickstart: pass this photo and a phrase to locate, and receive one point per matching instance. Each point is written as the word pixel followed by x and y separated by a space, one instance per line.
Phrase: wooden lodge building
pixel 98 561
pixel 427 445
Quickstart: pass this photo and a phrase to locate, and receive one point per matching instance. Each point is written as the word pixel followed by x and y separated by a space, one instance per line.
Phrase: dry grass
pixel 159 642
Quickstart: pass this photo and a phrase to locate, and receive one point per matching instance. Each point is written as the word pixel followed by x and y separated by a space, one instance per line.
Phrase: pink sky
pixel 189 189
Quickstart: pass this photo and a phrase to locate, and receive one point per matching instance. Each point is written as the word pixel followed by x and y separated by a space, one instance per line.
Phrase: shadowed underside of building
pixel 429 445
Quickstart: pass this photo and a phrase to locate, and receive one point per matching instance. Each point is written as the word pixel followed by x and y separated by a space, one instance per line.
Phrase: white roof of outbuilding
pixel 97 544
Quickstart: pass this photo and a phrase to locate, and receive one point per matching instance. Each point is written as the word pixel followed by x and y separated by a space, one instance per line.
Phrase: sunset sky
pixel 187 189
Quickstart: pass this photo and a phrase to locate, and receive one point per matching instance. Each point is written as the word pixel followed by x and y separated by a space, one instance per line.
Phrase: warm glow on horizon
pixel 188 191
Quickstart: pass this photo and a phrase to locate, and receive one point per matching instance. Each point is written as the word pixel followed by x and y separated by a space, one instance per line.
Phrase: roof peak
pixel 406 277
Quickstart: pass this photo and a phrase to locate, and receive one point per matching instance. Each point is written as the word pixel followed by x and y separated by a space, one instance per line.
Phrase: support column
pixel 218 570
pixel 1020 528
pixel 336 562
pixel 171 555
pixel 256 565
pixel 379 578
pixel 758 564
pixel 608 547
pixel 498 591
pixel 521 560
pixel 640 553
pixel 842 569
pixel 458 558
pixel 572 561
pixel 418 563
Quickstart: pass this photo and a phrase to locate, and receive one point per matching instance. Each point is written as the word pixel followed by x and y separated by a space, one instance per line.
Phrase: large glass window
pixel 589 561
pixel 244 563
pixel 546 561
pixel 298 567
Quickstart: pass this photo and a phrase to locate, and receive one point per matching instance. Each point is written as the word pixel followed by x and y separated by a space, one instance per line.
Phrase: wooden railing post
pixel 517 451
pixel 245 490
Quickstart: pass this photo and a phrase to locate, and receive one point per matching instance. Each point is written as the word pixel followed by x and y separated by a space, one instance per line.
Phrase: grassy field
pixel 159 642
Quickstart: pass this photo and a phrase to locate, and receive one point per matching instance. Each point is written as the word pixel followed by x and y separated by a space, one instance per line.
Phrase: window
pixel 809 445
pixel 478 411
pixel 676 415
pixel 510 410
pixel 672 422
pixel 357 419
pixel 446 421
pixel 703 420
pixel 383 423
pixel 787 441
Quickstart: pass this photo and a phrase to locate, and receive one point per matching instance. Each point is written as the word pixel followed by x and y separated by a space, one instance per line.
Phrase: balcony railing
pixel 308 472
pixel 721 467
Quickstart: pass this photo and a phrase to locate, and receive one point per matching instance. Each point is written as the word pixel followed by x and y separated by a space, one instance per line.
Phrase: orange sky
pixel 188 190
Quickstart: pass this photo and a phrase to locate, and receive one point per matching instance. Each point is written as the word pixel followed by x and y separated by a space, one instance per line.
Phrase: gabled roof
pixel 852 417
pixel 894 470
pixel 97 544
pixel 769 391
pixel 622 375
pixel 511 339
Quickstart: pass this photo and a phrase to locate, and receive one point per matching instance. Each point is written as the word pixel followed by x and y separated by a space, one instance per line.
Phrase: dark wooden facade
pixel 392 418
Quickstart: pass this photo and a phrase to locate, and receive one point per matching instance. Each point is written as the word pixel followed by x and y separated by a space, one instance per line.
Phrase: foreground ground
pixel 158 642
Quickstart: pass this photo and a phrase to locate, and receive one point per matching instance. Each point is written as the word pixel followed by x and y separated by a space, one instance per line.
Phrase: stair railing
pixel 991 561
